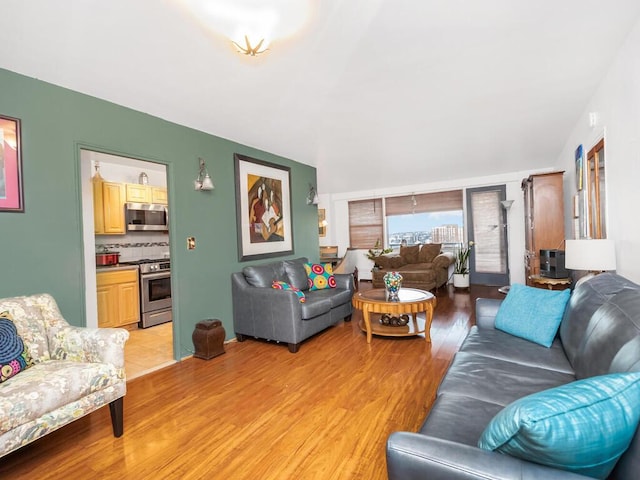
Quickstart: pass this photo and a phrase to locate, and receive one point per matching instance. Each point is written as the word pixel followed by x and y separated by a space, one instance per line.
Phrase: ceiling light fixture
pixel 249 50
pixel 251 25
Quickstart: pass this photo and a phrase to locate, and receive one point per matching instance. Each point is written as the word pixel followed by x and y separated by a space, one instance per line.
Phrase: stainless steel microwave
pixel 147 216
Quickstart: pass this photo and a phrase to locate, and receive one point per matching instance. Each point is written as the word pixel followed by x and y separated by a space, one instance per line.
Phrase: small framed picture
pixel 579 167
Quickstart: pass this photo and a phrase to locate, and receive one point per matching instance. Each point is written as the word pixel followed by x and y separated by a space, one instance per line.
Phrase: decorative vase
pixel 461 280
pixel 392 284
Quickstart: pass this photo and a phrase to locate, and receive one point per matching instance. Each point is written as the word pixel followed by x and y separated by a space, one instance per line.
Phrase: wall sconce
pixel 312 196
pixel 203 182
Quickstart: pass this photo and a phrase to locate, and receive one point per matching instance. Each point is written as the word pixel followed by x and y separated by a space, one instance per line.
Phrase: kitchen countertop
pixel 115 268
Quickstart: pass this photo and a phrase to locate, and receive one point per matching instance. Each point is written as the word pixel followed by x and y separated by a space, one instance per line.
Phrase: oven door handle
pixel 156 275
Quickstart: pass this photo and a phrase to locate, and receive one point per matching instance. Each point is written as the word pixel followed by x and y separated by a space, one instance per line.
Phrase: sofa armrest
pixel 443 260
pixel 95 345
pixel 265 312
pixel 486 311
pixel 344 280
pixel 413 456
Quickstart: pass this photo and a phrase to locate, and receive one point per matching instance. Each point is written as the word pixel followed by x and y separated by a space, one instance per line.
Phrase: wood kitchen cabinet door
pixel 129 302
pixel 112 195
pixel 118 298
pixel 159 195
pixel 137 193
pixel 107 306
pixel 108 208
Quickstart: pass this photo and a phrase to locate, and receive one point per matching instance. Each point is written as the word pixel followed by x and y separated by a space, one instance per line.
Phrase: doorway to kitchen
pixel 127 255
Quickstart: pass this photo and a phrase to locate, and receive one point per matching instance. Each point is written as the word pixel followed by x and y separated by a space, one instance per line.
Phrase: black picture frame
pixel 263 208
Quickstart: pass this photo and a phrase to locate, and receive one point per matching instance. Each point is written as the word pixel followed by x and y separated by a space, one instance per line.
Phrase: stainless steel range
pixel 155 291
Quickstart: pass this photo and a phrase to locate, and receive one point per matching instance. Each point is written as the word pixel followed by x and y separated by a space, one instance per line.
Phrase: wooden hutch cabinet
pixel 543 218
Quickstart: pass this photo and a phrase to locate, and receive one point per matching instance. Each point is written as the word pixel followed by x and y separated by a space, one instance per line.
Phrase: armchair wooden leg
pixel 240 337
pixel 293 347
pixel 347 318
pixel 117 416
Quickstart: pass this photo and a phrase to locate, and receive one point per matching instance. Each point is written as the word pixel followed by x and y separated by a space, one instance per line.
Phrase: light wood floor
pixel 148 349
pixel 260 412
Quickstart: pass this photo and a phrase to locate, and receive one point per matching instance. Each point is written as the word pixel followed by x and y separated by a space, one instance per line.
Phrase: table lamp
pixel 594 256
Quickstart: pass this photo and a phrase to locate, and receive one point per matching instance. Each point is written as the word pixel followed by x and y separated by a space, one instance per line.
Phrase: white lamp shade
pixel 592 255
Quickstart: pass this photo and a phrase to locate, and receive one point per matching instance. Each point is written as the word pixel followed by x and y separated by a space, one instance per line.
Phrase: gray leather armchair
pixel 261 311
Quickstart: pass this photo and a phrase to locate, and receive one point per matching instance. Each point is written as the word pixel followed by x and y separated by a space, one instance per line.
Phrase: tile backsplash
pixel 135 246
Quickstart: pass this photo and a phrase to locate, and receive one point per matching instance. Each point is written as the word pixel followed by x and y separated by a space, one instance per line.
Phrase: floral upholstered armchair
pixel 52 373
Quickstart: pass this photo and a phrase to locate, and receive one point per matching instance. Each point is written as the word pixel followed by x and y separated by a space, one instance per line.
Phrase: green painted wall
pixel 41 249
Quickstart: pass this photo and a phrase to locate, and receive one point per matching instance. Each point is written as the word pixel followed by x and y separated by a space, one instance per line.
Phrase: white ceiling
pixel 374 93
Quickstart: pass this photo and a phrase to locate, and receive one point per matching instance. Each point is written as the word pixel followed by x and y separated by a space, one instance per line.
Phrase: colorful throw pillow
pixel 14 354
pixel 320 276
pixel 532 313
pixel 584 426
pixel 278 285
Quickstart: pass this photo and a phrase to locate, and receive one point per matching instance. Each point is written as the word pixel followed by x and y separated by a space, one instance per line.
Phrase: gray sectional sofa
pixel 261 311
pixel 599 334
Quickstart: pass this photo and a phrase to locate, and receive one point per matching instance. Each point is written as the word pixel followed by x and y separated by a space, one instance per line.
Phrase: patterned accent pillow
pixel 278 285
pixel 320 276
pixel 14 354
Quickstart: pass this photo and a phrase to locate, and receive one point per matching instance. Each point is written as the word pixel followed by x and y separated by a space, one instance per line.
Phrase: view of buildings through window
pixel 430 227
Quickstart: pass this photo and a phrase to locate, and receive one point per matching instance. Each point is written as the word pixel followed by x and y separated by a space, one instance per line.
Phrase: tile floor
pixel 148 349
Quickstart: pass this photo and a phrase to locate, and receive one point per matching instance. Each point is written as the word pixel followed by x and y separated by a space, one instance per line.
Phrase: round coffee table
pixel 412 301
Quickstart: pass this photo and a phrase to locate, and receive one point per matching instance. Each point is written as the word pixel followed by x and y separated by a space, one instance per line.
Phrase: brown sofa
pixel 421 266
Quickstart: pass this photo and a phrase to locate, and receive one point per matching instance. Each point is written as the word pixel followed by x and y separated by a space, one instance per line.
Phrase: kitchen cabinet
pixel 159 195
pixel 108 207
pixel 543 218
pixel 118 298
pixel 137 193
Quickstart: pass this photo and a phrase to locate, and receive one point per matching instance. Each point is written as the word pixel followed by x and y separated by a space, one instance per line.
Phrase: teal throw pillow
pixel 532 313
pixel 278 285
pixel 584 426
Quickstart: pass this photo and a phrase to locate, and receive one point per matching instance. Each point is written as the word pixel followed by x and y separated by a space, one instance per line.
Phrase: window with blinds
pixel 425 218
pixel 365 223
pixel 424 202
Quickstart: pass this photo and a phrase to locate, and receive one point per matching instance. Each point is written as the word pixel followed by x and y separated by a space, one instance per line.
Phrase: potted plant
pixel 461 266
pixel 376 251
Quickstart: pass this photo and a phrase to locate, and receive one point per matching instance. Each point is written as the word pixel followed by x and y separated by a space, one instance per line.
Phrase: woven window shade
pixel 365 223
pixel 425 202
